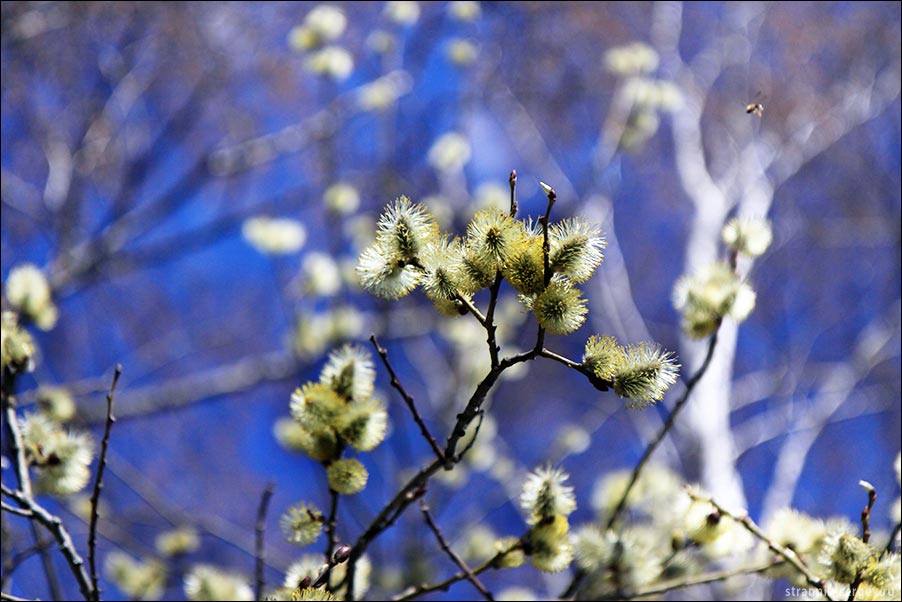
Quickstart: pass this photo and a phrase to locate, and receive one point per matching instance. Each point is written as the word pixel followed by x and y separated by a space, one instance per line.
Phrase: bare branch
pixel 452 554
pixel 98 485
pixel 646 455
pixel 408 399
pixel 259 530
pixel 55 526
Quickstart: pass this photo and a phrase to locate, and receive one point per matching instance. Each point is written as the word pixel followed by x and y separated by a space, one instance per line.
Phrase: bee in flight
pixel 756 107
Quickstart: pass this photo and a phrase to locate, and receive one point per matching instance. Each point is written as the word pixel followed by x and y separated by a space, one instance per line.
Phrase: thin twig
pixel 866 512
pixel 787 554
pixel 472 309
pixel 472 441
pixel 865 534
pixel 451 553
pixel 546 249
pixel 489 324
pixel 98 485
pixel 13 563
pixel 598 383
pixel 546 261
pixel 259 531
pixel 892 538
pixel 18 512
pixel 408 399
pixel 491 563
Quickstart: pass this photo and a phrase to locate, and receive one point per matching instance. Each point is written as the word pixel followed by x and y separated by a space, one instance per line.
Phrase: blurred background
pixel 196 180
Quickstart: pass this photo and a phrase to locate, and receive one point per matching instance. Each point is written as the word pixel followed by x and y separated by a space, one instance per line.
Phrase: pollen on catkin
pixel 709 295
pixel 405 228
pixel 363 424
pixel 492 236
pixel 603 356
pixel 560 309
pixel 647 372
pixel 441 263
pixel 545 495
pixel 349 372
pixel 474 271
pixel 302 523
pixel 315 406
pixel 575 248
pixel 525 269
pixel 748 235
pixel 61 458
pixel 385 274
pixel 347 476
pixel 549 544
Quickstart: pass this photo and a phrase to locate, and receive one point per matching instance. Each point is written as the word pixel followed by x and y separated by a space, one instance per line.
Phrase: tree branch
pixel 408 399
pixel 787 554
pixel 451 554
pixel 53 524
pixel 646 455
pixel 98 485
pixel 259 531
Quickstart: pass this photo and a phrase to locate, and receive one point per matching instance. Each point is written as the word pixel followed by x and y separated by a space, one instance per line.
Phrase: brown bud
pixel 341 554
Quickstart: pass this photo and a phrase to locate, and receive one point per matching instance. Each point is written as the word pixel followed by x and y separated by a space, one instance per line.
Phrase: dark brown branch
pixel 332 522
pixel 472 309
pixel 489 323
pixel 340 556
pixel 260 550
pixel 98 485
pixel 451 554
pixel 490 327
pixel 546 249
pixel 408 399
pixel 865 533
pixel 866 512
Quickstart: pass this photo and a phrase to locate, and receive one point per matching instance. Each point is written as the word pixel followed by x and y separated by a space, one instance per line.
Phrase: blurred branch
pixel 713 577
pixel 200 386
pixel 20 463
pixel 260 550
pixel 55 526
pixel 874 344
pixel 668 424
pixel 216 526
pixel 785 553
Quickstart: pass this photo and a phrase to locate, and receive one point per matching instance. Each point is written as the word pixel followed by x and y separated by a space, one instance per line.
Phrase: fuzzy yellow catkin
pixel 302 523
pixel 347 476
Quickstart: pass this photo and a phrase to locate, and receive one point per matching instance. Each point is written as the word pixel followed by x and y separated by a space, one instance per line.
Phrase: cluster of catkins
pixel 411 251
pixel 330 416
